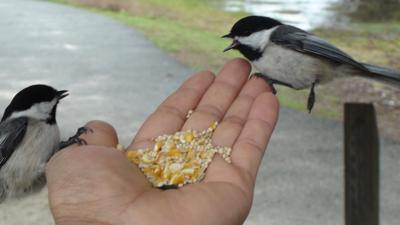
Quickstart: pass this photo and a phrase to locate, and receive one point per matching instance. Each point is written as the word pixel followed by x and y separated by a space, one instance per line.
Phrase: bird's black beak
pixel 62 94
pixel 234 44
pixel 227 36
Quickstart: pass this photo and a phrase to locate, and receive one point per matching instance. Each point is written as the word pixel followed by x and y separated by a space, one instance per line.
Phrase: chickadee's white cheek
pixel 46 107
pixel 257 40
pixel 38 111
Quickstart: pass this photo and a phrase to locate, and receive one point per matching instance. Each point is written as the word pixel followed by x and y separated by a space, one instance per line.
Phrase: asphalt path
pixel 115 74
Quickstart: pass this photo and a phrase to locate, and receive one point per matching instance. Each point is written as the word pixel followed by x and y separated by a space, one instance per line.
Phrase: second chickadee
pixel 29 136
pixel 289 56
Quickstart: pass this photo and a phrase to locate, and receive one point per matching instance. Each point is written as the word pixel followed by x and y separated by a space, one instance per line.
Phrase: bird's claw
pixel 273 89
pixel 83 130
pixel 76 138
pixel 256 75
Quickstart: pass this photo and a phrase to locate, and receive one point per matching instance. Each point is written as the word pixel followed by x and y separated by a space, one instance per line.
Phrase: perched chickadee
pixel 289 56
pixel 29 136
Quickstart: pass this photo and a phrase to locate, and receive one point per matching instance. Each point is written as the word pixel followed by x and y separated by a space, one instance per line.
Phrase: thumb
pixel 99 133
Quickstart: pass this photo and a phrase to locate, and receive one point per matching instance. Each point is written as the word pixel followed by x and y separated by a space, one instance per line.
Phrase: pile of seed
pixel 178 159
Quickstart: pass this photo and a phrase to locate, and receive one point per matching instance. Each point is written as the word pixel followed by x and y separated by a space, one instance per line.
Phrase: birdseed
pixel 178 159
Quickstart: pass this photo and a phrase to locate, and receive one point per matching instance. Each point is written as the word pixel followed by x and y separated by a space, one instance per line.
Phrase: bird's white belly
pixel 28 162
pixel 291 67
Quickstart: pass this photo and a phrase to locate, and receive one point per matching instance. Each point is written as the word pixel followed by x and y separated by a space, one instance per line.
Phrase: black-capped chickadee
pixel 289 56
pixel 29 136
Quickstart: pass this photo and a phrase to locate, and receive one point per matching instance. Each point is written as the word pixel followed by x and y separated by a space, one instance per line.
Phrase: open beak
pixel 62 94
pixel 234 44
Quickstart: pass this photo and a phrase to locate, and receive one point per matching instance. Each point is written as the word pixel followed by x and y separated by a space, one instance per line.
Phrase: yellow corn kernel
pixel 160 156
pixel 174 153
pixel 190 155
pixel 188 171
pixel 146 158
pixel 201 141
pixel 157 172
pixel 177 179
pixel 204 155
pixel 158 145
pixel 214 125
pixel 136 161
pixel 175 167
pixel 130 154
pixel 169 144
pixel 120 147
pixel 147 170
pixel 165 175
pixel 189 137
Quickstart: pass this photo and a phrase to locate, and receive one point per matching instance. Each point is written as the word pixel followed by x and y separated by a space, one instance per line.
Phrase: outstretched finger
pixel 231 127
pixel 171 114
pixel 250 146
pixel 219 97
pixel 232 123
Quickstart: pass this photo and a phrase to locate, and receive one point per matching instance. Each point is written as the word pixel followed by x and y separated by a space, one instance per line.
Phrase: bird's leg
pixel 311 97
pixel 75 139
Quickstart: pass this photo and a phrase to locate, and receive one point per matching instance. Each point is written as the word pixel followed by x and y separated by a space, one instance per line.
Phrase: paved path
pixel 114 73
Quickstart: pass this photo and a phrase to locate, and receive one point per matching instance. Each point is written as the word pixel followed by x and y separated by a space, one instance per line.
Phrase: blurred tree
pixel 374 10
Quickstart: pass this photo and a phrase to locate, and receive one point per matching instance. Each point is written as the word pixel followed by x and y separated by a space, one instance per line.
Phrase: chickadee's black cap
pixel 251 24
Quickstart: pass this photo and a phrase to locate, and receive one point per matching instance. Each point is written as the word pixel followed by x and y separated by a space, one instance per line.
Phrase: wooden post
pixel 361 158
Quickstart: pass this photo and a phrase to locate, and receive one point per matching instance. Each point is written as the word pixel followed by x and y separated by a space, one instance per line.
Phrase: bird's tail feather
pixel 386 75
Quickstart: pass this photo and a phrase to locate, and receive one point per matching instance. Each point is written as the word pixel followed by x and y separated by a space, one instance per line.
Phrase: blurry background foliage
pixel 375 10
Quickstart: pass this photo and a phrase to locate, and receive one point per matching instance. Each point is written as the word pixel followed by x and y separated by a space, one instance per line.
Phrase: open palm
pixel 95 184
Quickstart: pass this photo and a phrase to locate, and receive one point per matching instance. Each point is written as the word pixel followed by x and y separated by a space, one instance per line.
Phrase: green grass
pixel 190 30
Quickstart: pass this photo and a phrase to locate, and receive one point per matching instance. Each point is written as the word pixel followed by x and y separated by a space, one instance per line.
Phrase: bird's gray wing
pixel 11 133
pixel 302 41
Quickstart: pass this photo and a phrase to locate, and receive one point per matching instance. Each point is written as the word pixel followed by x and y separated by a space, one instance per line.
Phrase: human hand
pixel 96 184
